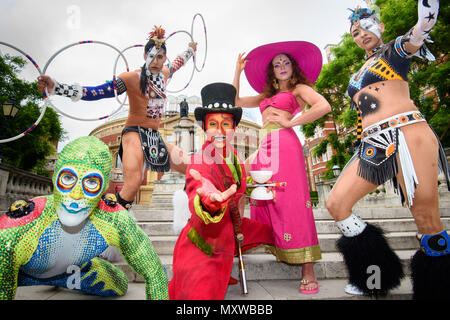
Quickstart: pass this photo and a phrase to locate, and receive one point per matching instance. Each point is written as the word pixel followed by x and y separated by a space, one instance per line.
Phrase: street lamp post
pixel 336 170
pixel 10 110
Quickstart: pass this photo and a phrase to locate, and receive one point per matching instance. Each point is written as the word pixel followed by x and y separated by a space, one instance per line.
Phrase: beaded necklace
pixel 372 52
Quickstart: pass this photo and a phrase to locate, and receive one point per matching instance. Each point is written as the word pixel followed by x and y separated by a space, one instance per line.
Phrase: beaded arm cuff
pixel 77 92
pixel 74 92
pixel 420 33
pixel 180 60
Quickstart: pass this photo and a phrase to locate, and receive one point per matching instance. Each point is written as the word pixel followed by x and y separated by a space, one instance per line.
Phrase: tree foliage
pixel 398 17
pixel 30 151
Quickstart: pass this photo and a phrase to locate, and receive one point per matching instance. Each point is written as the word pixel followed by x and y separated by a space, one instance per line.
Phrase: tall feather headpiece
pixel 157 35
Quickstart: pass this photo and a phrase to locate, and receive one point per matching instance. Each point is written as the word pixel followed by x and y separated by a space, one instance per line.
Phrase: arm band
pixel 77 92
pixel 180 60
pixel 103 91
pixel 74 92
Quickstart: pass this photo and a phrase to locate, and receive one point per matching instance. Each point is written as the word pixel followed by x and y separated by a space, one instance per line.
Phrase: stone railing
pixel 383 196
pixel 17 184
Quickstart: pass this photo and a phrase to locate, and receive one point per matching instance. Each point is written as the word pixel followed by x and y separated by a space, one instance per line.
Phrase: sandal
pixel 304 283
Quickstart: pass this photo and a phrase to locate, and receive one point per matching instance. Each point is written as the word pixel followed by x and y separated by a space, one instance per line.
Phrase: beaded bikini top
pixel 388 66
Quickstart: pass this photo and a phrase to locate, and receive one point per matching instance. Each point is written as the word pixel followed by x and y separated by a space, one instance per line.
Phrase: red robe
pixel 204 252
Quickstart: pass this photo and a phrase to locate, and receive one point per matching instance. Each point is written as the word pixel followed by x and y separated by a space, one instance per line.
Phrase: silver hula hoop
pixel 193 67
pixel 206 41
pixel 43 93
pixel 115 68
pixel 114 79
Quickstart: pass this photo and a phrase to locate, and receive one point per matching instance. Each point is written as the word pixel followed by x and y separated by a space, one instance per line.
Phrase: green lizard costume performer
pixel 56 239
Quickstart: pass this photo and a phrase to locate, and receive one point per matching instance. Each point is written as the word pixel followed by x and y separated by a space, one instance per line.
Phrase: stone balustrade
pixel 383 197
pixel 17 184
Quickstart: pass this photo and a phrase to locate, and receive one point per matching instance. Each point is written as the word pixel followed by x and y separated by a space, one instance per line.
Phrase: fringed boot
pixel 373 267
pixel 430 267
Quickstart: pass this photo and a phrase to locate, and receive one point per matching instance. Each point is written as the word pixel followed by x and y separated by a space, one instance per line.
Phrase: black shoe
pixel 372 265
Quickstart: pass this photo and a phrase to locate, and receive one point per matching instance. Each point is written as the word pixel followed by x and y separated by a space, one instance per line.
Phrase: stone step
pixel 377 213
pixel 160 201
pixel 161 214
pixel 160 198
pixel 165 213
pixel 329 289
pixel 388 225
pixel 165 244
pixel 168 195
pixel 163 192
pixel 265 267
pixel 150 215
pixel 162 205
pixel 169 187
pixel 322 226
pixel 266 290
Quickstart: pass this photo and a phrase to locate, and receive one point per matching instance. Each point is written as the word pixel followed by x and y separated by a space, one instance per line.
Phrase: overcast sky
pixel 41 28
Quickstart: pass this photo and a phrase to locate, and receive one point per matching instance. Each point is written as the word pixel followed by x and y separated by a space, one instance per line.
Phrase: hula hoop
pixel 206 41
pixel 43 93
pixel 193 68
pixel 114 79
pixel 115 68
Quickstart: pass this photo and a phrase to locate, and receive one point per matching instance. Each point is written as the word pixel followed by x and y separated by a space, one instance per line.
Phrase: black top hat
pixel 218 97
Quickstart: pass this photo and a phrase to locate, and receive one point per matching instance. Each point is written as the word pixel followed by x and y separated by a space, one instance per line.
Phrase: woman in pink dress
pixel 282 73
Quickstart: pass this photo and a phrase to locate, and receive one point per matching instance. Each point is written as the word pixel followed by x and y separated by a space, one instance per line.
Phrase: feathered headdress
pixel 359 13
pixel 157 35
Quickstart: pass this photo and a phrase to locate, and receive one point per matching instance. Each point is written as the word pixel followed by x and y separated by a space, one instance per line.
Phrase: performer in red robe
pixel 204 252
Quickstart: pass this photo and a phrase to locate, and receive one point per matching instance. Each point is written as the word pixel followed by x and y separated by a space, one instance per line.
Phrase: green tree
pixel 398 17
pixel 30 151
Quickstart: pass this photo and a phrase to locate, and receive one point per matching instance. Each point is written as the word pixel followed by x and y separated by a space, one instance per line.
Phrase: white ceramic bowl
pixel 261 176
pixel 261 193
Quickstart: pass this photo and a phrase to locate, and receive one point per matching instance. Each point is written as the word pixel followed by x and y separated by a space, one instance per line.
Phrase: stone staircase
pixel 156 220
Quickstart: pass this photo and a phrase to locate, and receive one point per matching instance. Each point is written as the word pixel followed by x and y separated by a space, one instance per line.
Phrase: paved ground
pixel 258 290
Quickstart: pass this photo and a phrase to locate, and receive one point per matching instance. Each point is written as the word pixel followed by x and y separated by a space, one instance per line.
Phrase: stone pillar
pixel 184 130
pixel 3 181
pixel 324 189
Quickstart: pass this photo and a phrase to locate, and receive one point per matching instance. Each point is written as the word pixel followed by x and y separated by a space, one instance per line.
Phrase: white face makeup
pixel 155 60
pixel 371 25
pixel 366 39
pixel 282 67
